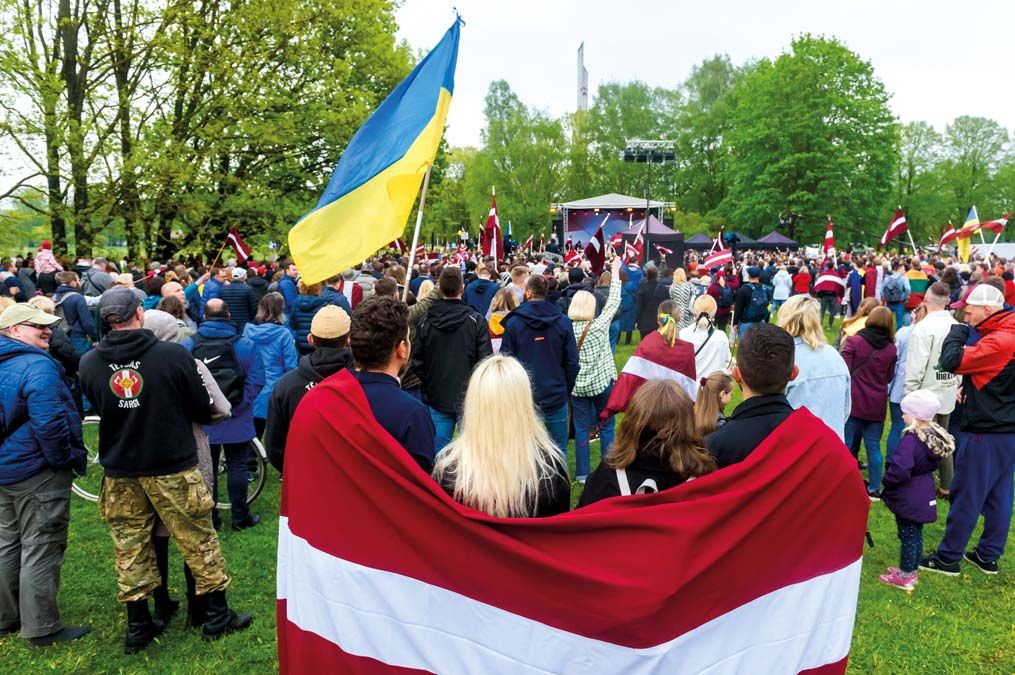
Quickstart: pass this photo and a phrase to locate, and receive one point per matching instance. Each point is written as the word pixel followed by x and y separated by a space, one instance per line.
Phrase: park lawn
pixel 947 625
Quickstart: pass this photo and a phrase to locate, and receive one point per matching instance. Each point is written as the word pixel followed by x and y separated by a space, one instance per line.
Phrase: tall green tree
pixel 812 133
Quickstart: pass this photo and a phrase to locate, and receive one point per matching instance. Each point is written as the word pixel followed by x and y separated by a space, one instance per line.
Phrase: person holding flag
pixel 492 244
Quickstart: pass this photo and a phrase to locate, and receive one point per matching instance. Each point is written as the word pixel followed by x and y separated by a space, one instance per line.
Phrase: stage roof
pixel 700 238
pixel 654 227
pixel 610 201
pixel 777 239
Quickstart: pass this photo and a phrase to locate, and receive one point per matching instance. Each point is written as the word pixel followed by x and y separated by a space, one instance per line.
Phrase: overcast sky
pixel 938 59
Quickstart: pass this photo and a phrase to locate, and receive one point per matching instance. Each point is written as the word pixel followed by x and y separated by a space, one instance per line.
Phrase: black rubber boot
pixel 195 603
pixel 221 620
pixel 165 607
pixel 141 628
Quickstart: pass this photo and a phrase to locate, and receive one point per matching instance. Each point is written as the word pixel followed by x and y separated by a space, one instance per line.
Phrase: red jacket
pixel 989 367
pixel 801 282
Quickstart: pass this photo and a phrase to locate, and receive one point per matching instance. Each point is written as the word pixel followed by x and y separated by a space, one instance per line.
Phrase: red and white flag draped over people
pixel 234 240
pixel 721 257
pixel 828 248
pixel 896 226
pixel 379 571
pixel 654 359
pixel 491 242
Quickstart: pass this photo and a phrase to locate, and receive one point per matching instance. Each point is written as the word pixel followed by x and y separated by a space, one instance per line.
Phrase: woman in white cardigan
pixel 711 345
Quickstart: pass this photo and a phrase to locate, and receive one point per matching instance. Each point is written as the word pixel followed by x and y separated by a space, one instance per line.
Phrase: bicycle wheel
pixel 258 476
pixel 87 486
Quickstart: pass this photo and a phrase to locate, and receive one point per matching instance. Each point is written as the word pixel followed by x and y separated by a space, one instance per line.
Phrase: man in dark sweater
pixel 329 335
pixel 450 340
pixel 149 394
pixel 765 365
pixel 379 337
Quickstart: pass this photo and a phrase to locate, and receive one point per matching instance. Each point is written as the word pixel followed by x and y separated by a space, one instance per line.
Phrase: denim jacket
pixel 822 385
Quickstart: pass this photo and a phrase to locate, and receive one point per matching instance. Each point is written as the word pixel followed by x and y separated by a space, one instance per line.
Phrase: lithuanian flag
pixel 373 188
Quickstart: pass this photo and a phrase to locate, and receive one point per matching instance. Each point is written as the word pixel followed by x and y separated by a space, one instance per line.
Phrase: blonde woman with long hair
pixel 682 292
pixel 857 322
pixel 503 302
pixel 503 461
pixel 822 385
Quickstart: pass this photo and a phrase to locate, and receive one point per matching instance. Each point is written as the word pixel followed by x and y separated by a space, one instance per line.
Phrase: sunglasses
pixel 37 325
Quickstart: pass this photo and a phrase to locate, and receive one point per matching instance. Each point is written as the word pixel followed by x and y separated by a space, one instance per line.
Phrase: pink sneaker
pixel 894 578
pixel 895 570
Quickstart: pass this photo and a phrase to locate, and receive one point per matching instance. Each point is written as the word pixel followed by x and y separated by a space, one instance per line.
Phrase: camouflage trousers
pixel 182 501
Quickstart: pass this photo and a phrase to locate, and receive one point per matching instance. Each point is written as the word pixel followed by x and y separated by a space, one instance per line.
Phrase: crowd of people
pixel 483 371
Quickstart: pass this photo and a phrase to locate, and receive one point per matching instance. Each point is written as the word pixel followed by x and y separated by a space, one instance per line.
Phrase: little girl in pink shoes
pixel 909 482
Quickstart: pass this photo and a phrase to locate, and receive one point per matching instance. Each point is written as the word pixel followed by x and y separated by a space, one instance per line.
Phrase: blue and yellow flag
pixel 969 228
pixel 374 186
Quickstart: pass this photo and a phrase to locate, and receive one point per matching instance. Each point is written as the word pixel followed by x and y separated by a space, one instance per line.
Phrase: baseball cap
pixel 984 295
pixel 330 322
pixel 25 313
pixel 117 304
pixel 753 272
pixel 239 273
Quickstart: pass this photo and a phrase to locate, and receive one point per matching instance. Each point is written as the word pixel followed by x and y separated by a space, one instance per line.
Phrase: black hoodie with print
pixel 149 394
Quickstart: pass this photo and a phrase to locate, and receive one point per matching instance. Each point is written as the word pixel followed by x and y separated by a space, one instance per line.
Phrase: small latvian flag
pixel 234 240
pixel 949 235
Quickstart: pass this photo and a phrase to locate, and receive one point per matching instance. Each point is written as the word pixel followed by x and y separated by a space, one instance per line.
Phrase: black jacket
pixel 749 425
pixel 242 303
pixel 259 287
pixel 649 296
pixel 603 483
pixel 290 390
pixel 149 394
pixel 450 340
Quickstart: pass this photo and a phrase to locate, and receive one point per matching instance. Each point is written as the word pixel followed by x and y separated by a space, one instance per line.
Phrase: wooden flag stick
pixel 415 233
pixel 992 244
pixel 911 242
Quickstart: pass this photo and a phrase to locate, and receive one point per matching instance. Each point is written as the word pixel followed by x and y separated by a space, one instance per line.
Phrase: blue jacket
pixel 239 427
pixel 39 423
pixel 278 354
pixel 75 311
pixel 287 287
pixel 539 335
pixel 239 298
pixel 211 291
pixel 194 305
pixel 304 309
pixel 479 294
pixel 333 297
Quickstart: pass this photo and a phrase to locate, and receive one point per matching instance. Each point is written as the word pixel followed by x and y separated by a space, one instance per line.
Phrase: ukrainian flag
pixel 969 228
pixel 373 188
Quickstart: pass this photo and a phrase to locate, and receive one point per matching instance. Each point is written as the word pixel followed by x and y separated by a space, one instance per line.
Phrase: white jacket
pixel 922 356
pixel 783 285
pixel 715 355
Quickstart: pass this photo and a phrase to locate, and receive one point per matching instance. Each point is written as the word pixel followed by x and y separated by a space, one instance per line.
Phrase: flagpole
pixel 992 244
pixel 219 254
pixel 415 233
pixel 911 242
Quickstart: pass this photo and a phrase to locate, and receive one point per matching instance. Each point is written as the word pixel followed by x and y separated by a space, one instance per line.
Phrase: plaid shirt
pixel 597 369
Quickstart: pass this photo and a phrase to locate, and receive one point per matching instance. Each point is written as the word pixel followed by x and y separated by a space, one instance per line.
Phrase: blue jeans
pixel 237 455
pixel 895 430
pixel 444 428
pixel 776 304
pixel 982 484
pixel 556 425
pixel 899 309
pixel 586 411
pixel 870 432
pixel 614 335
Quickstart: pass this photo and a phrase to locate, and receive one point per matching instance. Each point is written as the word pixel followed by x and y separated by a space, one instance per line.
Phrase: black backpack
pixel 219 355
pixel 757 310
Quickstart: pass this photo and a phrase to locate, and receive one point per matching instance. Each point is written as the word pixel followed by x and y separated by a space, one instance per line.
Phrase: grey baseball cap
pixel 118 304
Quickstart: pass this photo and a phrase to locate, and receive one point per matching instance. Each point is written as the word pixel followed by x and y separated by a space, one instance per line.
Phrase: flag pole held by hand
pixel 415 234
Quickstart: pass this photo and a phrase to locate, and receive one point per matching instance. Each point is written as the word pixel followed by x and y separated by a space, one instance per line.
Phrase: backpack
pixel 58 311
pixel 725 297
pixel 219 355
pixel 757 310
pixel 88 285
pixel 893 291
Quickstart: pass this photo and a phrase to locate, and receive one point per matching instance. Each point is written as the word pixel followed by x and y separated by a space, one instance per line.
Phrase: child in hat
pixel 909 482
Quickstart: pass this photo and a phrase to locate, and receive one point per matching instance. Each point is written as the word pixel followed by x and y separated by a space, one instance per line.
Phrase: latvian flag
pixel 896 226
pixel 420 251
pixel 663 250
pixel 996 226
pixel 399 245
pixel 462 254
pixel 831 281
pixel 751 569
pixel 234 240
pixel 950 234
pixel 723 256
pixel 654 359
pixel 572 257
pixel 828 248
pixel 617 241
pixel 528 244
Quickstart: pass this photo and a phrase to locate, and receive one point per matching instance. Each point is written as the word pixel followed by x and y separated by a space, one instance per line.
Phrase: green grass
pixel 963 625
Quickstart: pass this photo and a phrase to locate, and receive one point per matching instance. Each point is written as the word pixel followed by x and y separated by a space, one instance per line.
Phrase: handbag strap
pixel 711 330
pixel 647 486
pixel 585 332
